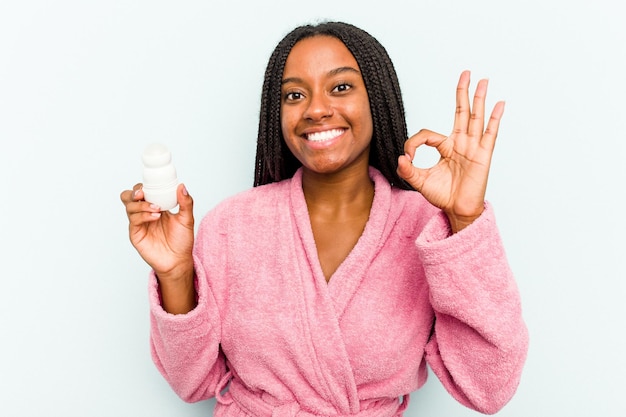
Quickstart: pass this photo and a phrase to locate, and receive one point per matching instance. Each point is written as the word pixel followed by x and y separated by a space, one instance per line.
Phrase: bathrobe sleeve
pixel 480 341
pixel 186 348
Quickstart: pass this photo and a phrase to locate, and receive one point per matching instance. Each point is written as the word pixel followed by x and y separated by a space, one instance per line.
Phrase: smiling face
pixel 325 114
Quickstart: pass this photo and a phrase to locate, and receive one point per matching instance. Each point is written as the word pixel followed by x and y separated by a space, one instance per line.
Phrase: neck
pixel 338 193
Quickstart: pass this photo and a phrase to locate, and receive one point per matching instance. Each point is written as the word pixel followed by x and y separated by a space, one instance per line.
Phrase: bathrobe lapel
pixel 346 280
pixel 324 303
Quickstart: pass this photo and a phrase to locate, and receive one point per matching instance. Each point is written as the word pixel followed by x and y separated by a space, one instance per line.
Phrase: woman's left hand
pixel 458 182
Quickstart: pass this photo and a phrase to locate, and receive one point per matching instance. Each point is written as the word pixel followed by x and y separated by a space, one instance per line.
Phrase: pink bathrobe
pixel 270 337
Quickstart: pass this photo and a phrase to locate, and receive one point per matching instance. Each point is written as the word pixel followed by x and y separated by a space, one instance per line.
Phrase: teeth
pixel 325 135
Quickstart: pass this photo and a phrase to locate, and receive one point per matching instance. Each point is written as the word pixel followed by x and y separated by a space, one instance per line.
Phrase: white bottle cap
pixel 159 177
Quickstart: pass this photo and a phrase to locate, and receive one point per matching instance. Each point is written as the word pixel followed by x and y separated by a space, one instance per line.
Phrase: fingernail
pixel 154 206
pixel 156 214
pixel 408 157
pixel 134 194
pixel 185 192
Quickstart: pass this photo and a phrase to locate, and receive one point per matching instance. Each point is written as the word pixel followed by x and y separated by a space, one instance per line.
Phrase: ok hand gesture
pixel 458 182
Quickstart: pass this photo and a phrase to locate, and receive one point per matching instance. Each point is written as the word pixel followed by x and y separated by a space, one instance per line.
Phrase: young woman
pixel 328 288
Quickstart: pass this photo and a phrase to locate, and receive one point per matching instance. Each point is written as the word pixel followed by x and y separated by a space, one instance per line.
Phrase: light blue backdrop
pixel 84 86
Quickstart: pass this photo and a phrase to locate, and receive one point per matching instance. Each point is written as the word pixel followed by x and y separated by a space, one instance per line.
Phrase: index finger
pixel 136 194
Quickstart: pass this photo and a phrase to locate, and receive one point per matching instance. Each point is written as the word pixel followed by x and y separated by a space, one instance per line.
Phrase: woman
pixel 329 287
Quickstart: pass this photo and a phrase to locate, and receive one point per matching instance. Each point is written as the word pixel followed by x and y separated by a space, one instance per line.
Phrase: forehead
pixel 319 54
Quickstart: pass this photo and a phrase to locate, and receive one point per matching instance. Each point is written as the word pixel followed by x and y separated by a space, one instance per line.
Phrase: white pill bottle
pixel 159 177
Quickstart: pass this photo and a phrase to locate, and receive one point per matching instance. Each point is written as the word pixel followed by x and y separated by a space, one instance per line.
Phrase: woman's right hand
pixel 163 239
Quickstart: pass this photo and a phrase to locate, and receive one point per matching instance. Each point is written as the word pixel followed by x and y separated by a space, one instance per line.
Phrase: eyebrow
pixel 331 73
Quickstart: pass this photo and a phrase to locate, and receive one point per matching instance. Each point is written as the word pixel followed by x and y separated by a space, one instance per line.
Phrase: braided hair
pixel 275 162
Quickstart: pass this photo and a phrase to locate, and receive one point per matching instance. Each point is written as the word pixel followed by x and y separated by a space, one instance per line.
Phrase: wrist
pixel 178 289
pixel 458 222
pixel 180 273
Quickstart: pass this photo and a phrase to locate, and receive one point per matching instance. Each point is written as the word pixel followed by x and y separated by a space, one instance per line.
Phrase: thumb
pixel 185 203
pixel 409 172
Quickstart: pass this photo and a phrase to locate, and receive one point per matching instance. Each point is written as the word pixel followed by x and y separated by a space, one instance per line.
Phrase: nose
pixel 319 107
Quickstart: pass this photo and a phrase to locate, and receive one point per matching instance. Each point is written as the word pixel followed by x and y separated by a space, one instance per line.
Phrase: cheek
pixel 287 126
pixel 366 123
pixel 287 123
pixel 369 123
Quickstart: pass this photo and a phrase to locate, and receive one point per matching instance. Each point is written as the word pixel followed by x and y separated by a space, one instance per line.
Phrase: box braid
pixel 275 162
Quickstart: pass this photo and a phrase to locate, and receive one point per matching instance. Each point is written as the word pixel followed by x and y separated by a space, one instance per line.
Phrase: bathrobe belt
pixel 254 405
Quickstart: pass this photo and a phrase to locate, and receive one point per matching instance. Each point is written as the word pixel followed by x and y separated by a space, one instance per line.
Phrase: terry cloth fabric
pixel 288 343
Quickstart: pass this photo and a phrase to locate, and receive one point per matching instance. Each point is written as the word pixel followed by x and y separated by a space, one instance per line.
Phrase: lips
pixel 324 135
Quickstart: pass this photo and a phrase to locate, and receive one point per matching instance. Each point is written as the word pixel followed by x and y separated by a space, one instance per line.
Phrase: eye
pixel 292 96
pixel 342 87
